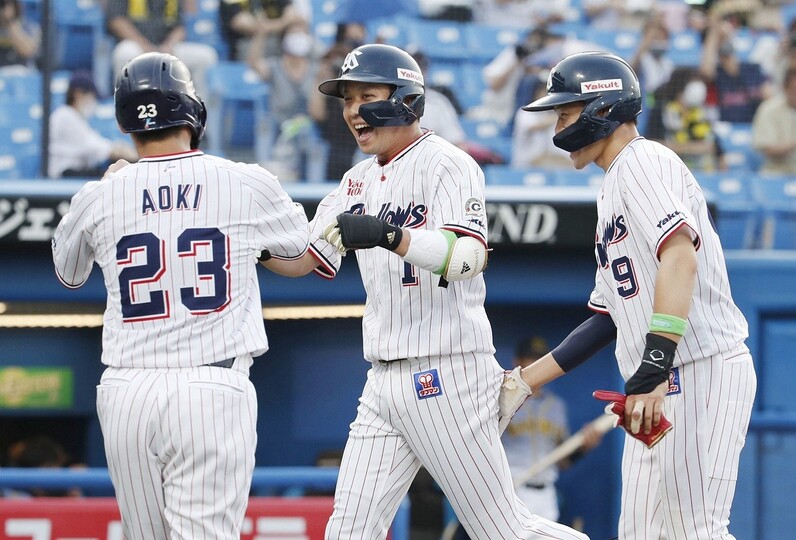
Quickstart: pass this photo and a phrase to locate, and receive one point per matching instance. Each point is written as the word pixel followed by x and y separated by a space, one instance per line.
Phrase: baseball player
pixel 661 290
pixel 177 236
pixel 414 214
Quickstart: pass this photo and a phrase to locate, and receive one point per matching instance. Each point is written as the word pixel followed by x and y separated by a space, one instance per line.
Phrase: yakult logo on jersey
pixel 669 217
pixel 427 384
pixel 354 187
pixel 613 232
pixel 350 61
pixel 674 381
pixel 411 217
pixel 589 87
pixel 409 75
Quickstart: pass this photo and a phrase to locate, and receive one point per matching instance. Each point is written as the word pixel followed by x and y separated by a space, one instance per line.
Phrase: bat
pixel 602 424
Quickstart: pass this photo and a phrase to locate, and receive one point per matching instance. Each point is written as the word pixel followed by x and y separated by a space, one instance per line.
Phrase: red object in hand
pixel 617 400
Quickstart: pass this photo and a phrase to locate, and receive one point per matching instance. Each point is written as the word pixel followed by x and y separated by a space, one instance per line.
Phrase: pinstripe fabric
pixel 248 206
pixel 180 447
pixel 683 487
pixel 411 325
pixel 186 229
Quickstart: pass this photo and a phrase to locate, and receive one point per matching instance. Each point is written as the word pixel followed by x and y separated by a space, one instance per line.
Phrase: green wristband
pixel 668 324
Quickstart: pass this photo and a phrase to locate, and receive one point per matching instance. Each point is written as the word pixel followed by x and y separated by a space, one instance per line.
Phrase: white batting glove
pixel 513 393
pixel 332 235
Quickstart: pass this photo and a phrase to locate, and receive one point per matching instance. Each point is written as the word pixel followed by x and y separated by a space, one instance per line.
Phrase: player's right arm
pixel 73 253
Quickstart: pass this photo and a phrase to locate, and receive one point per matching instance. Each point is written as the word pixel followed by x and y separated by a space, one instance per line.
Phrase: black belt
pixel 385 362
pixel 222 363
pixel 535 486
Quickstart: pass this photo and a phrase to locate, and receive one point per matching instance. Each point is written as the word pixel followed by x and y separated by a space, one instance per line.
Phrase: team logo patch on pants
pixel 427 384
pixel 674 382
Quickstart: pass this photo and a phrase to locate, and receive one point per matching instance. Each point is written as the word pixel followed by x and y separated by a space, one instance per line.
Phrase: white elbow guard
pixel 466 259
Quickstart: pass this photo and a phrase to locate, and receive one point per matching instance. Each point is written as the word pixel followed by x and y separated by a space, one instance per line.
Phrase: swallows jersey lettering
pixel 613 232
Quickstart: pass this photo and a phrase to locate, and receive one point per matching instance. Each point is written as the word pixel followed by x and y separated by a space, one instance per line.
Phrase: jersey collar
pixel 406 150
pixel 169 157
pixel 622 151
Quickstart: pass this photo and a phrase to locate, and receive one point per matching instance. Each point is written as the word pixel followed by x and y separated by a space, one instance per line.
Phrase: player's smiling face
pixel 384 142
pixel 567 115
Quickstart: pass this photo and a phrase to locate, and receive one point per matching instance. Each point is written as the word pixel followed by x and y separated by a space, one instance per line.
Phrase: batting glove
pixel 513 393
pixel 332 235
pixel 617 406
pixel 360 231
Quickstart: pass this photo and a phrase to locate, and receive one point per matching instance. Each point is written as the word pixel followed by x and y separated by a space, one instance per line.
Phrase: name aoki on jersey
pixel 165 199
pixel 614 231
pixel 411 217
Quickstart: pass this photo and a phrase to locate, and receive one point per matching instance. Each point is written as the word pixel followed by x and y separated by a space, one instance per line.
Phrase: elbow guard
pixel 466 258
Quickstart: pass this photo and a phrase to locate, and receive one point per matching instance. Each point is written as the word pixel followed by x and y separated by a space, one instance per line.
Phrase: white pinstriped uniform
pixel 177 239
pixel 683 487
pixel 431 395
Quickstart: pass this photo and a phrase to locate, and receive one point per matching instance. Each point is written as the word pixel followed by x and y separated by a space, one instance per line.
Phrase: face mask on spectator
pixel 297 44
pixel 658 48
pixel 87 106
pixel 694 94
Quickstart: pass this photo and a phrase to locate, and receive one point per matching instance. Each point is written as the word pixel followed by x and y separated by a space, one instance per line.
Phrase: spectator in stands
pixel 522 13
pixel 40 452
pixel 678 119
pixel 77 149
pixel 242 19
pixel 152 25
pixel 738 87
pixel 650 61
pixel 327 111
pixel 532 136
pixel 298 152
pixel 774 129
pixel 441 117
pixel 617 14
pixel 19 40
pixel 504 74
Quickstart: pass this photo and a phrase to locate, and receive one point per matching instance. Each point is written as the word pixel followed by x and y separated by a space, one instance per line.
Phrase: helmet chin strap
pixel 585 131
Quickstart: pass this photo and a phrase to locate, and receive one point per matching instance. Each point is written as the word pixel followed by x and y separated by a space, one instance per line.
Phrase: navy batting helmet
pixel 155 91
pixel 383 64
pixel 608 86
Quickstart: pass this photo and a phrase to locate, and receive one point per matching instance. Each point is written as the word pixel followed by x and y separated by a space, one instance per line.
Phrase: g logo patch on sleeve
pixel 427 384
pixel 474 207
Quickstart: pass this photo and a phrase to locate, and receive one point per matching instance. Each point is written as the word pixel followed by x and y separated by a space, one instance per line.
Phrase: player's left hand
pixel 361 231
pixel 113 167
pixel 332 235
pixel 513 393
pixel 633 412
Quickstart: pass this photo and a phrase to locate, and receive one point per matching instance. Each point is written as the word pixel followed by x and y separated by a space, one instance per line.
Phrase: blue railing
pixel 264 478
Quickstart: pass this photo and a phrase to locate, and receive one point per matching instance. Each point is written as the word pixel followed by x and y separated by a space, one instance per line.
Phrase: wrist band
pixel 668 324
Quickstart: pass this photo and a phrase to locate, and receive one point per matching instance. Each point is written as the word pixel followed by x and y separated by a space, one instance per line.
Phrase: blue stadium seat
pixel 104 121
pixel 736 141
pixel 20 87
pixel 439 40
pixel 237 106
pixel 470 92
pixel 737 211
pixel 80 27
pixel 622 42
pixel 685 48
pixel 777 197
pixel 591 176
pixel 204 27
pixel 504 175
pixel 392 30
pixel 486 42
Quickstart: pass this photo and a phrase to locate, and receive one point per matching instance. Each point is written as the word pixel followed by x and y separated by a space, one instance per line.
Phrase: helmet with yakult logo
pixel 383 64
pixel 607 85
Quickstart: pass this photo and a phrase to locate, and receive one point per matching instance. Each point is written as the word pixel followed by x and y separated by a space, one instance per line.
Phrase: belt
pixel 222 363
pixel 535 486
pixel 385 362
